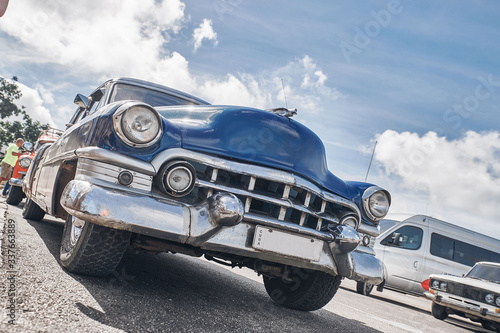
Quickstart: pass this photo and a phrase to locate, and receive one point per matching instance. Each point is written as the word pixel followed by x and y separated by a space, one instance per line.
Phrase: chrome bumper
pixel 217 224
pixel 15 182
pixel 481 311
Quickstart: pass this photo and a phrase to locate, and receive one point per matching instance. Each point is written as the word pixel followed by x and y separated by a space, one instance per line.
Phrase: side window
pixel 442 246
pixel 407 237
pixel 461 252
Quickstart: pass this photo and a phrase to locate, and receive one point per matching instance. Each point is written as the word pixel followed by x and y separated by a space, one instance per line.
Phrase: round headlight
pixel 497 301
pixel 137 124
pixel 350 221
pixel 376 203
pixel 177 178
pixel 25 162
pixel 443 285
pixel 435 284
pixel 489 298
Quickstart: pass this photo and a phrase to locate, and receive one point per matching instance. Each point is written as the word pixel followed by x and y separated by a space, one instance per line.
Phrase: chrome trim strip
pixel 108 172
pixel 368 229
pixel 107 156
pixel 67 156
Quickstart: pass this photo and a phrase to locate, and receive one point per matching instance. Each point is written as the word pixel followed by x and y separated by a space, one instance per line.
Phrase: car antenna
pixel 283 111
pixel 284 95
pixel 371 159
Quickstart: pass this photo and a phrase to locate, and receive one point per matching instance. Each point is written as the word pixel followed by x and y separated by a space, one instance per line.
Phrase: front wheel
pixel 32 211
pixel 439 311
pixel 91 249
pixel 15 195
pixel 364 288
pixel 303 290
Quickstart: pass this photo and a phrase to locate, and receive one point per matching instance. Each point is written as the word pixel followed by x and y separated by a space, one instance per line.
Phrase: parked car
pixel 149 166
pixel 16 194
pixel 413 247
pixel 475 296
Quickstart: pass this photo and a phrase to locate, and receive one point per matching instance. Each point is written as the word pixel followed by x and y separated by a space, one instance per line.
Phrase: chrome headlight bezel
pixel 369 195
pixel 25 162
pixel 119 118
pixel 166 176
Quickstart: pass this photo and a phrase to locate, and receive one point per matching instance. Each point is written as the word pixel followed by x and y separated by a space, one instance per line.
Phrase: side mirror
pixel 82 101
pixel 397 239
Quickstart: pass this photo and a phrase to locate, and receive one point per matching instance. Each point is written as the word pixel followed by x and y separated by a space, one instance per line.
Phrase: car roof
pixel 159 87
pixel 489 263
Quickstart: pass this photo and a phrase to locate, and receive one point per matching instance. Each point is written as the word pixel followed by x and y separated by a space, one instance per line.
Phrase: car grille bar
pixel 267 194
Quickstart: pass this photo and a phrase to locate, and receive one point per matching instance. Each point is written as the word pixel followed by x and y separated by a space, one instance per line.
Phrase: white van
pixel 412 248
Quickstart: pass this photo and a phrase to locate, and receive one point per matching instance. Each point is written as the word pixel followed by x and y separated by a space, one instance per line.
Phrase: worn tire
pixel 364 288
pixel 32 211
pixel 15 195
pixel 91 249
pixel 307 291
pixel 439 311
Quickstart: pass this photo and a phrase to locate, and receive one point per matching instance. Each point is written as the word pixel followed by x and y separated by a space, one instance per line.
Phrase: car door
pixel 403 253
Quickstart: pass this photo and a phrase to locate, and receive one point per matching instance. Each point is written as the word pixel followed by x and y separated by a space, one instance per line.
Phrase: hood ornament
pixel 284 112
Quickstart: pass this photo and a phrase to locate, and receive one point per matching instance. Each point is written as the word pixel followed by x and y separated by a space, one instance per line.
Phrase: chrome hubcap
pixel 76 230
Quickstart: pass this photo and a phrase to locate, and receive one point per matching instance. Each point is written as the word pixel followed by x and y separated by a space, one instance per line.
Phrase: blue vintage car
pixel 144 165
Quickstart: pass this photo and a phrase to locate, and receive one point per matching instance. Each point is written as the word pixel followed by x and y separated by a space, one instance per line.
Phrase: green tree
pixel 28 129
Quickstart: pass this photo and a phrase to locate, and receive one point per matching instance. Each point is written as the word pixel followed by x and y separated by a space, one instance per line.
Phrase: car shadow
pixel 176 293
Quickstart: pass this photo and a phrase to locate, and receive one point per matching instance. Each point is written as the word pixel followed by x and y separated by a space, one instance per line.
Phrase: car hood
pixel 255 136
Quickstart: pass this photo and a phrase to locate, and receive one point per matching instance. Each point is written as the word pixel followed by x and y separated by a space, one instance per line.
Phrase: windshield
pixel 154 98
pixel 485 272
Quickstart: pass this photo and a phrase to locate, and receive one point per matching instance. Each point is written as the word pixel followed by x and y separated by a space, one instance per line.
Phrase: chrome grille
pixel 289 199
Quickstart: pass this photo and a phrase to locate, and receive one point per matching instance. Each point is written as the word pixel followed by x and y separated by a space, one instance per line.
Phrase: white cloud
pixel 305 86
pixel 457 180
pixel 34 103
pixel 130 38
pixel 204 31
pixel 116 37
pixel 236 91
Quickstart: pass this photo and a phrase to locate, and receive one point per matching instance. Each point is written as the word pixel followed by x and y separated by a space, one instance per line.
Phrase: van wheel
pixel 32 211
pixel 91 249
pixel 364 288
pixel 439 311
pixel 15 195
pixel 304 290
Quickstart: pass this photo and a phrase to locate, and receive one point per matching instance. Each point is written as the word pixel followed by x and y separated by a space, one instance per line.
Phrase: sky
pixel 415 82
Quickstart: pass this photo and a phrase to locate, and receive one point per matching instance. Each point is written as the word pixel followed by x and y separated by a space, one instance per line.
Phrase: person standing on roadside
pixel 10 159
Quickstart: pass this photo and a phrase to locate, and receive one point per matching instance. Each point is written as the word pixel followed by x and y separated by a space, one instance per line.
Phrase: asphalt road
pixel 174 293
